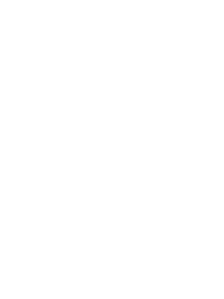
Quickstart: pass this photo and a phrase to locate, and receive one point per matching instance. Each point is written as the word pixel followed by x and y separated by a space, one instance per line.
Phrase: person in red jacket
pixel 206 5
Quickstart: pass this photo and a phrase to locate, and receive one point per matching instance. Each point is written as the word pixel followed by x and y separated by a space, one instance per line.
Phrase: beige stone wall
pixel 87 18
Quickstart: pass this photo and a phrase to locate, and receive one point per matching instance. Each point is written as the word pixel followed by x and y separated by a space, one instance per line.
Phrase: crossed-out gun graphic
pixel 119 212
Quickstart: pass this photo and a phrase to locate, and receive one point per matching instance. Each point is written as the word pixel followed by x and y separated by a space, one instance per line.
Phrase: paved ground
pixel 21 288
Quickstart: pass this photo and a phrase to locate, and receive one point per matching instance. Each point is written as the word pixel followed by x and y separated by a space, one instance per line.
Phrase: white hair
pixel 168 110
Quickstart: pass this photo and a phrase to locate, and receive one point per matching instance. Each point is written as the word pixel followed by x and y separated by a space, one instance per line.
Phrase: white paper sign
pixel 171 231
pixel 113 72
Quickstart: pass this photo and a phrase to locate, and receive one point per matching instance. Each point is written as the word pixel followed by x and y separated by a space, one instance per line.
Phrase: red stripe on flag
pixel 143 3
pixel 197 24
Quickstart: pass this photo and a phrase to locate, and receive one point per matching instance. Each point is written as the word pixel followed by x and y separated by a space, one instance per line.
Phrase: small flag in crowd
pixel 136 8
pixel 200 29
pixel 44 153
pixel 79 146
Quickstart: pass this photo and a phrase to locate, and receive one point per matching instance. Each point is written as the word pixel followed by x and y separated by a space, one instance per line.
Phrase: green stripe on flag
pixel 205 33
pixel 104 160
pixel 29 202
pixel 138 14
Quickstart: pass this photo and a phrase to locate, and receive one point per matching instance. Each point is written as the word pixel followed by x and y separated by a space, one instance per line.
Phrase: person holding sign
pixel 109 225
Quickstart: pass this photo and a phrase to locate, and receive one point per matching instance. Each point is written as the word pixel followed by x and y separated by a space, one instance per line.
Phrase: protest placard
pixel 157 227
pixel 113 72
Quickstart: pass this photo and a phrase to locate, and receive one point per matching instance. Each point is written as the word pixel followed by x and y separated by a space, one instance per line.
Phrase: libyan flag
pixel 137 7
pixel 200 29
pixel 78 148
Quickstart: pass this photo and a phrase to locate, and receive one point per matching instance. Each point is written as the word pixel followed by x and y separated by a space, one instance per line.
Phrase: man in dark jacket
pixel 108 29
pixel 16 147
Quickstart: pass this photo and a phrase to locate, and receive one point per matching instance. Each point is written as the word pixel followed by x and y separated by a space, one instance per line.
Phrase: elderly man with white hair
pixel 174 126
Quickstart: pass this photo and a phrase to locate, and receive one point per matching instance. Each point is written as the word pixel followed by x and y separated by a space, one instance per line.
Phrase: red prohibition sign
pixel 146 229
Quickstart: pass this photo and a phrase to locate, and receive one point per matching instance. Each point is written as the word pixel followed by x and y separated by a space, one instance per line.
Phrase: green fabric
pixel 29 202
pixel 138 14
pixel 205 33
pixel 104 160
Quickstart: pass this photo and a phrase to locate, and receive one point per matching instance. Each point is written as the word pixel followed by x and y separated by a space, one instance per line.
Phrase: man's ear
pixel 190 145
